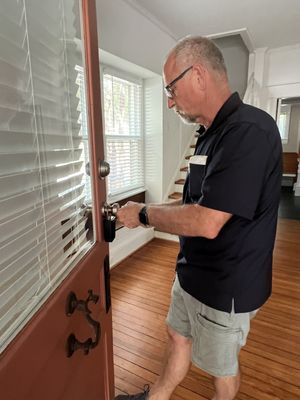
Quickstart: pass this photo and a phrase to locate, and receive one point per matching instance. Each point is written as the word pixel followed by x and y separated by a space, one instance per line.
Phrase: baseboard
pixel 127 241
pixel 166 236
pixel 287 181
pixel 296 190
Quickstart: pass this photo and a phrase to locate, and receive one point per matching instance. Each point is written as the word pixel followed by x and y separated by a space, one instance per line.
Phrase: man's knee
pixel 227 387
pixel 176 338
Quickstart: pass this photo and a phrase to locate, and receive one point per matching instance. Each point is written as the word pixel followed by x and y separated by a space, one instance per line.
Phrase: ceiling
pixel 268 23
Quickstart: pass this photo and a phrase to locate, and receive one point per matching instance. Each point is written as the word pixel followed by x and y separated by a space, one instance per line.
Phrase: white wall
pixel 127 241
pixel 277 72
pixel 283 66
pixel 126 33
pixel 236 56
pixel 277 75
pixel 153 119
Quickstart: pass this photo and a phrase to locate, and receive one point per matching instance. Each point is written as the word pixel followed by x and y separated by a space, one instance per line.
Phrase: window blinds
pixel 42 178
pixel 123 134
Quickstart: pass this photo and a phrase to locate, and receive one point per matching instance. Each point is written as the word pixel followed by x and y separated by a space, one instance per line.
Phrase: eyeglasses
pixel 169 90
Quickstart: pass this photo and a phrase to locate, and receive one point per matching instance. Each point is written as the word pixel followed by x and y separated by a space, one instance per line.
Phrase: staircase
pixel 180 179
pixel 177 187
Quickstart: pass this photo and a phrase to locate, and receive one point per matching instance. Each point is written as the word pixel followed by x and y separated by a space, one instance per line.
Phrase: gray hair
pixel 193 49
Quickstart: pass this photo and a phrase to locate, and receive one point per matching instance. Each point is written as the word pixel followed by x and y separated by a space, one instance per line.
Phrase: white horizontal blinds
pixel 42 168
pixel 84 128
pixel 123 133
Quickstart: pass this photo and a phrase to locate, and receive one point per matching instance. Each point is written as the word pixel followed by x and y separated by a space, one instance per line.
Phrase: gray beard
pixel 185 118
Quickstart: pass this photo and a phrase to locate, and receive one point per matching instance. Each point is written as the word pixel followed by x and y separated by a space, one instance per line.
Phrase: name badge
pixel 198 159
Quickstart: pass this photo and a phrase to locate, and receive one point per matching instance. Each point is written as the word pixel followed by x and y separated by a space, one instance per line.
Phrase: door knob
pixel 103 169
pixel 110 210
pixel 109 213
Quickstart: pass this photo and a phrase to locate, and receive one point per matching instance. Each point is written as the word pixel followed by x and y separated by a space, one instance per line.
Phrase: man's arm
pixel 177 202
pixel 185 220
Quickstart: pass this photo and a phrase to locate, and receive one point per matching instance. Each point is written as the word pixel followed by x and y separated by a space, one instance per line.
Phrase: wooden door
pixel 55 315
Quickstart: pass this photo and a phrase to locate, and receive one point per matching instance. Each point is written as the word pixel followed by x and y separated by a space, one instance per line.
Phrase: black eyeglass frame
pixel 168 88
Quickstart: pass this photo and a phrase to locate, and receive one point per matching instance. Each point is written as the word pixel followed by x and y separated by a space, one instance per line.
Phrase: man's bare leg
pixel 226 387
pixel 176 366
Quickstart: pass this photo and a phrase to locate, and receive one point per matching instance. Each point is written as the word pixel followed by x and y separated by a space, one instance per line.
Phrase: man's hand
pixel 128 215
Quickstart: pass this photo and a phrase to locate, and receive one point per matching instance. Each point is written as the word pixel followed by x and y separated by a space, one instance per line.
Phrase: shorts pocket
pixel 215 347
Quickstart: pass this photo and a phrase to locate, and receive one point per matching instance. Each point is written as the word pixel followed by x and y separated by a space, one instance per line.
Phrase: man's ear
pixel 201 76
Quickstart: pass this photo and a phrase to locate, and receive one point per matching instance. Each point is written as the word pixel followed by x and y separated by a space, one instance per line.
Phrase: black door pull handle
pixel 73 304
pixel 81 305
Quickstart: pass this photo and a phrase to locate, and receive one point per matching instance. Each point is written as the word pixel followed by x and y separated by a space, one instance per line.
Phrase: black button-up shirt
pixel 237 169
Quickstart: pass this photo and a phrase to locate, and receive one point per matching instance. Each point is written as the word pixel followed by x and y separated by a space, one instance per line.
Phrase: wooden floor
pixel 141 294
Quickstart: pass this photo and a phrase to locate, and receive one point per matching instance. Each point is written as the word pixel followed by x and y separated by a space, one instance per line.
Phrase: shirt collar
pixel 201 130
pixel 230 105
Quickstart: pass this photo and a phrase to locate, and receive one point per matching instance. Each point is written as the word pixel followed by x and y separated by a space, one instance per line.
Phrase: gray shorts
pixel 217 336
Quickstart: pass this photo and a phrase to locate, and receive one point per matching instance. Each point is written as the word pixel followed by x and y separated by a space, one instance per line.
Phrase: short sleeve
pixel 236 171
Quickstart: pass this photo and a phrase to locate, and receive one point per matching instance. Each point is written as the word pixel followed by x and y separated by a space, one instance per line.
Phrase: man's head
pixel 195 77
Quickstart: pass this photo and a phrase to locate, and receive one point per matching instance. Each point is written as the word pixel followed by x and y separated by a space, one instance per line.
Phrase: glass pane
pixel 122 106
pixel 46 196
pixel 288 117
pixel 123 134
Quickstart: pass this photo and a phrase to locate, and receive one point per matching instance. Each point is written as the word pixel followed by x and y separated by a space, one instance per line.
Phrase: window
pixel 283 120
pixel 123 134
pixel 42 167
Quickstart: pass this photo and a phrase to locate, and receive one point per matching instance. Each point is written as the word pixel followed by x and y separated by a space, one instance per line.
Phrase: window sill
pixel 127 196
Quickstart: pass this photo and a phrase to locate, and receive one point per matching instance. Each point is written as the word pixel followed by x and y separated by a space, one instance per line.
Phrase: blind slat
pixel 13 163
pixel 27 294
pixel 12 53
pixel 18 246
pixel 18 183
pixel 9 73
pixel 57 264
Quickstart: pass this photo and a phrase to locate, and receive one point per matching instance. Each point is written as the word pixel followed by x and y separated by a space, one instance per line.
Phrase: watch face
pixel 143 216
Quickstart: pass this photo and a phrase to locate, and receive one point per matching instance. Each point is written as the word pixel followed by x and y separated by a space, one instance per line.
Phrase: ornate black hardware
pixel 80 305
pixel 73 304
pixel 74 344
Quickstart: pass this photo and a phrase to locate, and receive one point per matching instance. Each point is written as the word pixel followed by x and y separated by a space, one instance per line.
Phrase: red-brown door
pixel 55 315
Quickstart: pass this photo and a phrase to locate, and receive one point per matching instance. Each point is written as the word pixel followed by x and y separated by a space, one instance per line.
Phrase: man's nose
pixel 171 102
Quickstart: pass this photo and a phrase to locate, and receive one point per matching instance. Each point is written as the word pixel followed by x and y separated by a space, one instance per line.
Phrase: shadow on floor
pixel 289 206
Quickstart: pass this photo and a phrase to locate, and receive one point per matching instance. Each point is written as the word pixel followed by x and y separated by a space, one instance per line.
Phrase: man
pixel 226 222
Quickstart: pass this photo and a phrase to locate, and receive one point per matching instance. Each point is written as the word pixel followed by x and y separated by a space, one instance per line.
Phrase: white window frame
pixel 283 109
pixel 106 69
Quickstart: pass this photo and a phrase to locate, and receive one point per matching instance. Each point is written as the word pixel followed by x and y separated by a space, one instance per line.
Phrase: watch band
pixel 143 216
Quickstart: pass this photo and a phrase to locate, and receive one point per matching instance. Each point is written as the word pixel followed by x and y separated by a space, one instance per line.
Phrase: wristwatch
pixel 143 216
